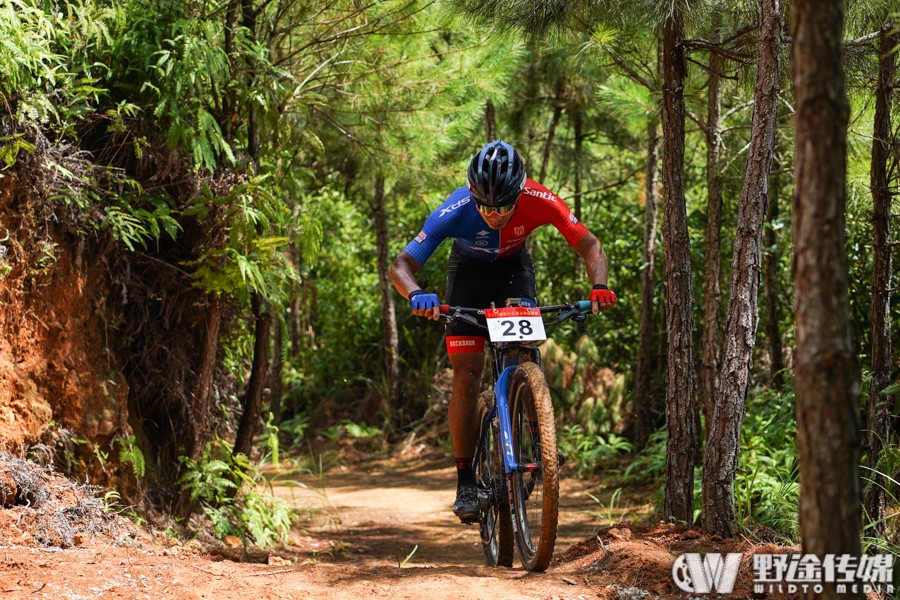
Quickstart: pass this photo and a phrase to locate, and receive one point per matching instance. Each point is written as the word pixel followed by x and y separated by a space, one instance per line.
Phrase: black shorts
pixel 475 284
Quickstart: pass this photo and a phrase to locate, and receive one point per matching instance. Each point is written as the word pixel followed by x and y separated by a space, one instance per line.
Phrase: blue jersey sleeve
pixel 438 226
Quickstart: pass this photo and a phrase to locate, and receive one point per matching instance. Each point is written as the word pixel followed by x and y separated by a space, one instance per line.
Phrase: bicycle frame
pixel 503 492
pixel 501 355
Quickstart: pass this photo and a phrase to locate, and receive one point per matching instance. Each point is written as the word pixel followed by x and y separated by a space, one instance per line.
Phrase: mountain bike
pixel 516 460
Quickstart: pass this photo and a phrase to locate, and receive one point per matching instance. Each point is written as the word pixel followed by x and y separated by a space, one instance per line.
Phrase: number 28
pixel 524 327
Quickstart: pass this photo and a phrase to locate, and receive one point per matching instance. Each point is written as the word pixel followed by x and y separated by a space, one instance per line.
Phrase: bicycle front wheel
pixel 494 518
pixel 535 487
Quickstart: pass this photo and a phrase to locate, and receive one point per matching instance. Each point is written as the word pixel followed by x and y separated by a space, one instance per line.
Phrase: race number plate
pixel 515 324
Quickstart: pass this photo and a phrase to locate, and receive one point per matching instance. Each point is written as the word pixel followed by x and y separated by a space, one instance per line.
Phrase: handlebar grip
pixel 445 309
pixel 584 305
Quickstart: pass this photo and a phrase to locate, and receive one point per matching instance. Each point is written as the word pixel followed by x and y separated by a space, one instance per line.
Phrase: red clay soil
pixel 379 531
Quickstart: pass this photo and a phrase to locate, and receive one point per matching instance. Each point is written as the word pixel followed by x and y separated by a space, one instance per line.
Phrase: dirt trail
pixel 385 512
pixel 382 530
pixel 359 531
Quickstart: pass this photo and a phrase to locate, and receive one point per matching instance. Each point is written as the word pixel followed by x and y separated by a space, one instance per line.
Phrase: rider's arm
pixel 594 257
pixel 403 276
pixel 597 267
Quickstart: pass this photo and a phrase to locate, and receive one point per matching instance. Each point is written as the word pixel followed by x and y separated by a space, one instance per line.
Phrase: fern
pixel 129 452
pixel 11 145
pixel 228 486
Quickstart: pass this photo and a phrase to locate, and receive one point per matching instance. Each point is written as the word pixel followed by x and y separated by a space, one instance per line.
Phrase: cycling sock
pixel 464 471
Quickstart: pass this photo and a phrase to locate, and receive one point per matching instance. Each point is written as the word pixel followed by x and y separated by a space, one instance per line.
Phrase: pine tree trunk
pixel 879 407
pixel 276 372
pixel 203 389
pixel 712 291
pixel 642 406
pixel 680 432
pixel 826 373
pixel 251 423
pixel 724 438
pixel 772 290
pixel 548 146
pixel 251 418
pixel 199 416
pixel 388 314
pixel 490 121
pixel 578 133
pixel 295 324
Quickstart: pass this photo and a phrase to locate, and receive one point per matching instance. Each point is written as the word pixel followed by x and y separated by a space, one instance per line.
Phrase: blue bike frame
pixel 501 407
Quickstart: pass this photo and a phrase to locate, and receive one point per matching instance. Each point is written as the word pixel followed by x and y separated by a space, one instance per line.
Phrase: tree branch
pixel 736 109
pixel 628 68
pixel 860 41
pixel 700 123
pixel 698 44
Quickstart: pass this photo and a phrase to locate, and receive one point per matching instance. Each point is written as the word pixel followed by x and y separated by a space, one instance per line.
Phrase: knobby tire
pixel 495 523
pixel 535 493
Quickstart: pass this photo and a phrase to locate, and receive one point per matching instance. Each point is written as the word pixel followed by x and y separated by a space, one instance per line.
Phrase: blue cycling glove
pixel 422 301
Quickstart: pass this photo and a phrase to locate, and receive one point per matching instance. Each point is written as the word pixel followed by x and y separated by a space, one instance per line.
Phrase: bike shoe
pixel 466 505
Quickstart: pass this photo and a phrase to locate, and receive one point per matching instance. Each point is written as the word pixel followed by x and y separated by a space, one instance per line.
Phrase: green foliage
pixel 249 261
pixel 53 50
pixel 591 452
pixel 135 227
pixel 767 488
pixel 294 429
pixel 11 145
pixel 129 452
pixel 190 70
pixel 353 430
pixel 233 495
pixel 650 463
pixel 887 470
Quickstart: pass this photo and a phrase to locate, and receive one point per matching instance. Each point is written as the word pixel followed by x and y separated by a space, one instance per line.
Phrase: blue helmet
pixel 496 174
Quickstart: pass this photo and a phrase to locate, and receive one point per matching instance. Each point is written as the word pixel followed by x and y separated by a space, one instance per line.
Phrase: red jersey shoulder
pixel 534 189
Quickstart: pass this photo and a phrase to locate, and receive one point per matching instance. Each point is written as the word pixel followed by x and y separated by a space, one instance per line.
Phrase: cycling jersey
pixel 458 218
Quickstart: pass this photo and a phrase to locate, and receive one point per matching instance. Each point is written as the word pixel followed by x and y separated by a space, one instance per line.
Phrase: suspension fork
pixel 501 395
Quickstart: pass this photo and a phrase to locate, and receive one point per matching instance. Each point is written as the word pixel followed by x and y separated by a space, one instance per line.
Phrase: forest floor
pixel 376 529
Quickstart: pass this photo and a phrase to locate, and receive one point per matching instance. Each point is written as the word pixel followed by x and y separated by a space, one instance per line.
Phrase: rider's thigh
pixel 467 365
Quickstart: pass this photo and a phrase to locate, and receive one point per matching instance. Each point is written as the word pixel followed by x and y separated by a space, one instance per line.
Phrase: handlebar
pixel 568 310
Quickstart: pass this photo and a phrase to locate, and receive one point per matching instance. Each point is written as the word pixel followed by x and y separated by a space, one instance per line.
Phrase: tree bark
pixel 276 372
pixel 772 290
pixel 680 432
pixel 199 416
pixel 250 424
pixel 203 388
pixel 388 314
pixel 724 437
pixel 642 406
pixel 879 406
pixel 826 373
pixel 712 291
pixel 548 146
pixel 490 121
pixel 578 133
pixel 295 324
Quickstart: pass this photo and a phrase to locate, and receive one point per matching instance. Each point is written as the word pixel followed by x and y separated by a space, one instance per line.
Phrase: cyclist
pixel 489 219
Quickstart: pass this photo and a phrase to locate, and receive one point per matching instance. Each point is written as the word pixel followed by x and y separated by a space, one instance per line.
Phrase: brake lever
pixel 458 316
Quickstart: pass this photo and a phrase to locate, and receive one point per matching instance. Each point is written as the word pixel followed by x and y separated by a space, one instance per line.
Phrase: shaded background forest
pixel 233 178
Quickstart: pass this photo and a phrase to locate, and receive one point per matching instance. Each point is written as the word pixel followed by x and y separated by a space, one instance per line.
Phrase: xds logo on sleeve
pixel 698 574
pixel 454 206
